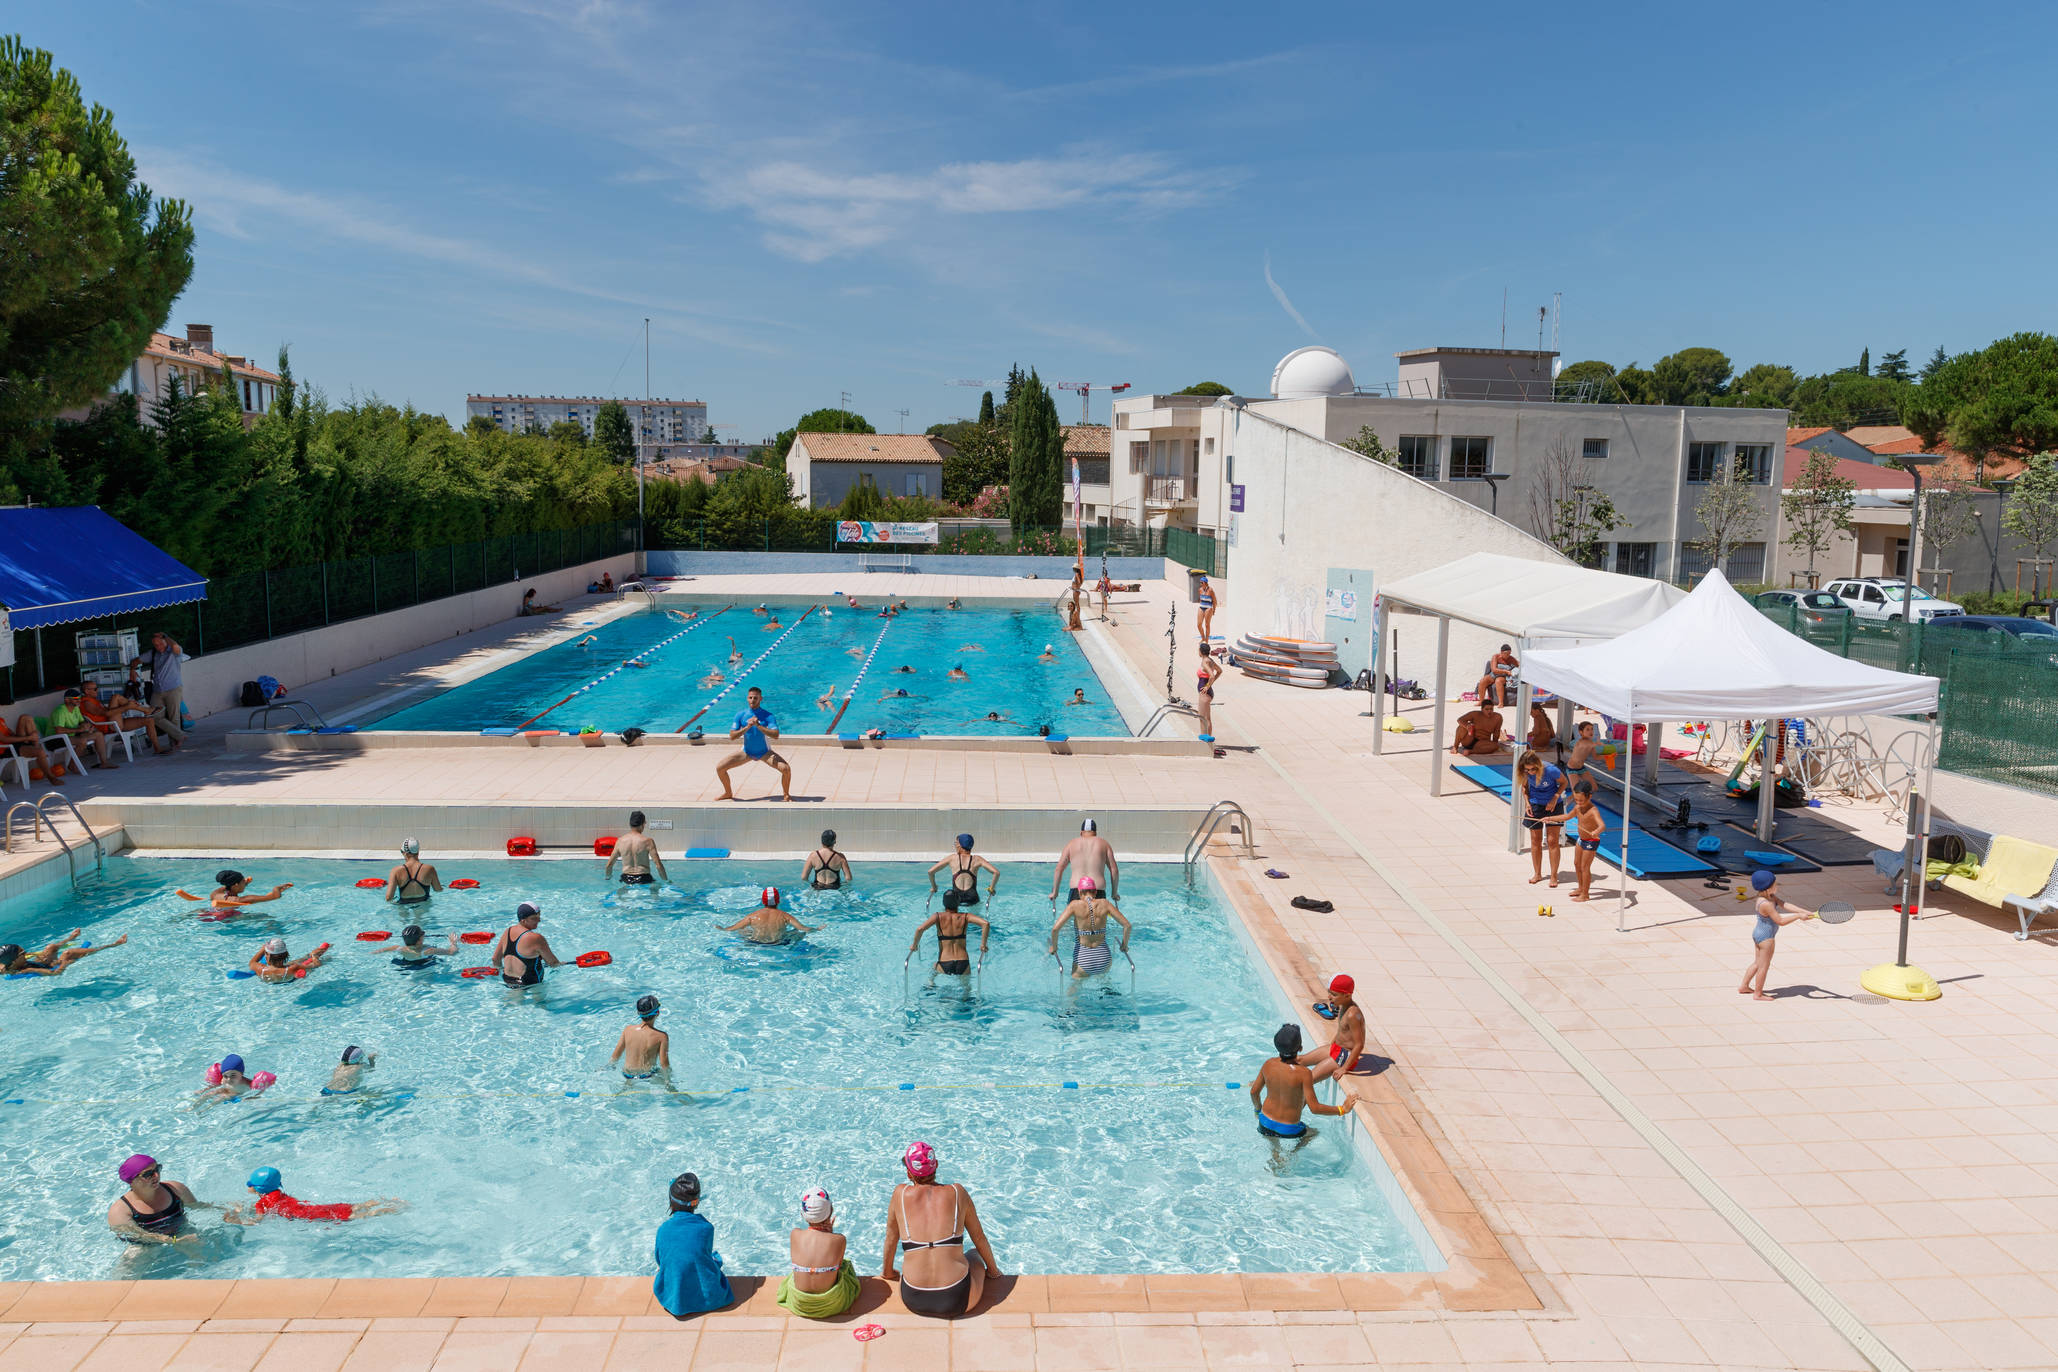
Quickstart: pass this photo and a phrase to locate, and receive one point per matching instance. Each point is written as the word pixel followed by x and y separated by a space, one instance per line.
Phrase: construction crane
pixel 1084 388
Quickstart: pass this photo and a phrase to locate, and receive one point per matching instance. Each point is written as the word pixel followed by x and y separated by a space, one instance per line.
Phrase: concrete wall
pixel 214 681
pixel 941 564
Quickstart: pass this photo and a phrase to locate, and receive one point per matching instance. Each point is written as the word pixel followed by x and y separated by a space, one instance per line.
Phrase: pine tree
pixel 986 408
pixel 1036 457
pixel 1894 367
pixel 1936 360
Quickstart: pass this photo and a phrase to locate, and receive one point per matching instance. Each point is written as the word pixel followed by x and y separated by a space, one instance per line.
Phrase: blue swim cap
pixel 265 1180
pixel 1761 880
pixel 965 842
pixel 231 1063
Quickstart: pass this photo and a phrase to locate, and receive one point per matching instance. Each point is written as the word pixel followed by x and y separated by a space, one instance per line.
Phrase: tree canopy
pixel 1206 388
pixel 823 421
pixel 613 434
pixel 2001 399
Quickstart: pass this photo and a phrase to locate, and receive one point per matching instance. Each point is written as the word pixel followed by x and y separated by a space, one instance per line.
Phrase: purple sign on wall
pixel 1235 499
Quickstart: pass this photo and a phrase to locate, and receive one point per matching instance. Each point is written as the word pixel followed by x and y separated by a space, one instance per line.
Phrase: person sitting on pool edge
pixel 520 952
pixel 822 1284
pixel 952 953
pixel 964 872
pixel 1283 1088
pixel 267 1185
pixel 690 1280
pixel 768 923
pixel 754 725
pixel 15 961
pixel 1346 1051
pixel 825 868
pixel 271 963
pixel 348 1075
pixel 412 881
pixel 230 890
pixel 412 953
pixel 938 1277
pixel 644 1050
pixel 638 853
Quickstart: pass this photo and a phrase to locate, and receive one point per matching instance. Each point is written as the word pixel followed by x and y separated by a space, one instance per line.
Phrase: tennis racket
pixel 1836 912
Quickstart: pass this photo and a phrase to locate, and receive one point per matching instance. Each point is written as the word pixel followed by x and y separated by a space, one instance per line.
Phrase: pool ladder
pixel 1197 843
pixel 36 818
pixel 1175 706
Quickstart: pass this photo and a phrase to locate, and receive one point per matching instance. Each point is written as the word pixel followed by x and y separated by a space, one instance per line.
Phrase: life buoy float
pixel 593 959
pixel 480 936
pixel 371 883
pixel 464 884
pixel 375 936
pixel 474 972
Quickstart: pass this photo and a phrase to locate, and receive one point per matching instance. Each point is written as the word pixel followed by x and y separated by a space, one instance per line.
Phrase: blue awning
pixel 62 565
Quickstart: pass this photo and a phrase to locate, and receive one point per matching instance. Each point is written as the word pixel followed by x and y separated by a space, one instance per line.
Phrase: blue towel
pixel 690 1279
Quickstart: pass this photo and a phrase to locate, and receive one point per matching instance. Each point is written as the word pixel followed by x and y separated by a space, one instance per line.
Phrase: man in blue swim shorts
pixel 755 727
pixel 1283 1088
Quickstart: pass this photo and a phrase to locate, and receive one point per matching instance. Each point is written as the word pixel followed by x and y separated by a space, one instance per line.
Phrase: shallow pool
pixel 495 1115
pixel 807 667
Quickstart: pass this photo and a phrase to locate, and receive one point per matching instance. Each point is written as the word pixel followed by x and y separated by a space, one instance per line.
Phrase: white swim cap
pixel 816 1207
pixel 411 846
pixel 1088 827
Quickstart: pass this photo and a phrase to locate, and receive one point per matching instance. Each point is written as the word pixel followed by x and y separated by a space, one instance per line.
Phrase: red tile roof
pixel 1086 440
pixel 1796 437
pixel 161 346
pixel 873 447
pixel 1863 475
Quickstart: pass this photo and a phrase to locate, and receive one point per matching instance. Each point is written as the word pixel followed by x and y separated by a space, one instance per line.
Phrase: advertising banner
pixel 867 531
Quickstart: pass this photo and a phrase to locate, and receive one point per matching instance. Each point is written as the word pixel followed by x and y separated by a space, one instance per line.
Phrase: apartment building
pixel 660 425
pixel 1485 424
pixel 196 364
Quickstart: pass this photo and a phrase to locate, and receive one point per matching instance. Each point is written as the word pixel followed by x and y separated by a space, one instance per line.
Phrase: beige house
pixel 196 364
pixel 1087 444
pixel 825 467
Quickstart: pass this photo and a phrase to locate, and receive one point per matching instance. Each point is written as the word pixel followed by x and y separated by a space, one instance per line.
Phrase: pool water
pixel 494 1114
pixel 808 660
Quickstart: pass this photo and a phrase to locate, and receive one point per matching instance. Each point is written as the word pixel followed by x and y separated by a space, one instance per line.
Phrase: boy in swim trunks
pixel 265 1184
pixel 644 1050
pixel 1088 915
pixel 349 1073
pixel 952 956
pixel 1345 1053
pixel 1582 754
pixel 1283 1088
pixel 1773 915
pixel 638 853
pixel 1587 842
pixel 768 923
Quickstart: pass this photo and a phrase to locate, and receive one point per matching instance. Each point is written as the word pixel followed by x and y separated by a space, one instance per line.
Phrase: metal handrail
pixel 1163 712
pixel 70 856
pixel 35 817
pixel 1197 843
pixel 300 708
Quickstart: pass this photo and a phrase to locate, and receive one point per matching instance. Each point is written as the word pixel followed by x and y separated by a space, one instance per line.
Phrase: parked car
pixel 1881 597
pixel 2014 635
pixel 1813 609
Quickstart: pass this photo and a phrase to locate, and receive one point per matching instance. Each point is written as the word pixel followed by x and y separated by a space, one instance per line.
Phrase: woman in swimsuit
pixel 152 1210
pixel 51 962
pixel 1205 691
pixel 413 951
pixel 517 968
pixel 815 1252
pixel 964 872
pixel 1088 916
pixel 938 1277
pixel 953 959
pixel 826 869
pixel 230 886
pixel 411 882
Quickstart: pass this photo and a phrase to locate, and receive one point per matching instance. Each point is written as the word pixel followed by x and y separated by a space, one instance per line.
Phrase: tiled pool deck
pixel 1670 1170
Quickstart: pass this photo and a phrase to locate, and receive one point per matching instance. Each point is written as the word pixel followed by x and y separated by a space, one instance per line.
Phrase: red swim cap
pixel 1341 984
pixel 769 897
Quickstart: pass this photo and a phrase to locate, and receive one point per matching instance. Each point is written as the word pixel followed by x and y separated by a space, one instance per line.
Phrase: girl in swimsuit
pixel 1209 670
pixel 55 957
pixel 1773 914
pixel 230 886
pixel 938 1277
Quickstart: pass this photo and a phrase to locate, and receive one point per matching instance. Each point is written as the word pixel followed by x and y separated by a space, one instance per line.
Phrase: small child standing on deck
pixel 1773 914
pixel 1588 841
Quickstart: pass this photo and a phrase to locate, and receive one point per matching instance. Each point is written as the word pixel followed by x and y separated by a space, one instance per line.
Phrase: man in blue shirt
pixel 690 1280
pixel 754 726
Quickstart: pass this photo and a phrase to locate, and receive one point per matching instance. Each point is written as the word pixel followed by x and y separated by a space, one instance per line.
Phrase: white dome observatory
pixel 1311 373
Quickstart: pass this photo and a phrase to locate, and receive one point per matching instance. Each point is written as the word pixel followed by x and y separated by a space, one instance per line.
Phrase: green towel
pixel 1967 867
pixel 820 1306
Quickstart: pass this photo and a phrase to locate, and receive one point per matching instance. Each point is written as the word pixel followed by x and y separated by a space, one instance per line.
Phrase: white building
pixel 197 366
pixel 659 424
pixel 1484 425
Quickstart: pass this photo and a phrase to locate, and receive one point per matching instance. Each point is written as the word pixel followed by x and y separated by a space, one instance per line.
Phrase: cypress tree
pixel 1036 457
pixel 986 408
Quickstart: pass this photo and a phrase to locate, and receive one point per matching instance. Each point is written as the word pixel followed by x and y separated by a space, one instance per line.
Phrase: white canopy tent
pixel 1715 657
pixel 1535 604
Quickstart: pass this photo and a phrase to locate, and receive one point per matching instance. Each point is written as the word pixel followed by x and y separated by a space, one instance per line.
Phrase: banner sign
pixel 1235 499
pixel 866 531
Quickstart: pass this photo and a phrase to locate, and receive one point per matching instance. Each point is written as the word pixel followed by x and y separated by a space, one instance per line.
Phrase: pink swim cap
pixel 1086 883
pixel 920 1160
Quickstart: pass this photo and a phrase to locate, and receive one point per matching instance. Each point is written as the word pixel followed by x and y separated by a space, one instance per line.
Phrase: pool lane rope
pixel 737 680
pixel 625 665
pixel 859 680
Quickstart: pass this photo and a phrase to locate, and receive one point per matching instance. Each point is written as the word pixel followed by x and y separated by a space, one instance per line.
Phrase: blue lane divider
pixel 859 679
pixel 737 680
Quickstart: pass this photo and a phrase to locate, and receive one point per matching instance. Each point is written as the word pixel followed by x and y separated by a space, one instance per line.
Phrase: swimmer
pixel 1283 1088
pixel 1088 855
pixel 634 662
pixel 1088 915
pixel 826 701
pixel 761 610
pixel 232 1083
pixel 684 616
pixel 1346 1050
pixel 53 960
pixel 999 717
pixel 349 1073
pixel 413 951
pixel 768 923
pixel 644 1050
pixel 905 668
pixel 958 673
pixel 735 653
pixel 897 693
pixel 772 623
pixel 853 651
pixel 952 956
pixel 638 854
pixel 411 882
pixel 270 963
pixel 901 606
pixel 971 648
pixel 520 952
pixel 714 677
pixel 1078 696
pixel 155 1208
pixel 964 872
pixel 229 891
pixel 825 868
pixel 1049 653
pixel 852 602
pixel 265 1183
pixel 952 604
pixel 588 641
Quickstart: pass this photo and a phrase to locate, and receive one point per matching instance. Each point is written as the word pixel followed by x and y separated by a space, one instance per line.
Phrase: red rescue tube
pixel 479 972
pixel 375 936
pixel 603 847
pixel 464 884
pixel 371 883
pixel 521 846
pixel 481 936
pixel 594 959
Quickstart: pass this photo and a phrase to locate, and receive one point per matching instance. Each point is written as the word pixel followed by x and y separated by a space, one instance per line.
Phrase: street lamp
pixel 1493 482
pixel 1914 462
pixel 2002 485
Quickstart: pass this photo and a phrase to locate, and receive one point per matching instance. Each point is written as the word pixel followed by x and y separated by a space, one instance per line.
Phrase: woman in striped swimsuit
pixel 1088 916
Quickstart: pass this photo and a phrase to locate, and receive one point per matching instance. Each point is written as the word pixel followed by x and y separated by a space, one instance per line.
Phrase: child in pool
pixel 349 1073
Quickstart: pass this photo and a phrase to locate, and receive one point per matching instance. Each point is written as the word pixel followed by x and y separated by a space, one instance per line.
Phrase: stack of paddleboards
pixel 1288 661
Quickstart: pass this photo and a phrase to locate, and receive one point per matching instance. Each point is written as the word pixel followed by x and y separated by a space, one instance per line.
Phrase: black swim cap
pixel 227 876
pixel 950 900
pixel 8 953
pixel 685 1191
pixel 411 935
pixel 646 1006
pixel 1288 1042
pixel 828 838
pixel 636 819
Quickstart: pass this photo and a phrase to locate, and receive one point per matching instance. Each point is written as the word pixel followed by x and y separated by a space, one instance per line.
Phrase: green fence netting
pixel 811 531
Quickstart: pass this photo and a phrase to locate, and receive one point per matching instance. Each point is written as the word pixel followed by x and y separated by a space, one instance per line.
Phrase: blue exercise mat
pixel 1654 857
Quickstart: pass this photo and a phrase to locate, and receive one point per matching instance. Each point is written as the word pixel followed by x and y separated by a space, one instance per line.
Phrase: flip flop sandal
pixel 1325 1009
pixel 1275 874
pixel 865 1333
pixel 1320 907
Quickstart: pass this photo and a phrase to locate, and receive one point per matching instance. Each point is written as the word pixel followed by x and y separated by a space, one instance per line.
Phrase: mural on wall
pixel 1297 611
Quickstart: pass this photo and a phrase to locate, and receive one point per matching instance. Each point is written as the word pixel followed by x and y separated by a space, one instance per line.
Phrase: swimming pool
pixel 817 654
pixel 519 1151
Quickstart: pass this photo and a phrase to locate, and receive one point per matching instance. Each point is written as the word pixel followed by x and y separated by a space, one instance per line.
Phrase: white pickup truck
pixel 1878 597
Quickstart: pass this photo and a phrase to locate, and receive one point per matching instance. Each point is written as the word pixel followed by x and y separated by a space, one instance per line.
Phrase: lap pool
pixel 819 658
pixel 493 1112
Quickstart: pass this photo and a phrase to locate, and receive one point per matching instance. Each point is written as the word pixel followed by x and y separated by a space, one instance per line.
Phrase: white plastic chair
pixel 127 738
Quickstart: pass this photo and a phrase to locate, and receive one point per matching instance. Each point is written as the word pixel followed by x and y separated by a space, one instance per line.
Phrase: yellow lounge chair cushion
pixel 2013 867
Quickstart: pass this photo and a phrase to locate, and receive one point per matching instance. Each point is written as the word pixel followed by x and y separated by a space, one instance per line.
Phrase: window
pixel 1704 463
pixel 1139 456
pixel 1209 447
pixel 1746 564
pixel 865 479
pixel 1229 466
pixel 246 395
pixel 1635 559
pixel 1693 563
pixel 1754 463
pixel 1471 458
pixel 918 483
pixel 1594 449
pixel 1418 455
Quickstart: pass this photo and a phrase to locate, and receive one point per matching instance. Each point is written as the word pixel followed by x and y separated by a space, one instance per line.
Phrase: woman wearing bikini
pixel 1209 670
pixel 937 1277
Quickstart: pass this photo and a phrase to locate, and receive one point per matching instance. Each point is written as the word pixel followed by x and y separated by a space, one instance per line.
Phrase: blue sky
pixel 426 199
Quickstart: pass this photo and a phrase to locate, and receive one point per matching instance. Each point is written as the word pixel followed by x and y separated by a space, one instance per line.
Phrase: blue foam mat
pixel 1654 856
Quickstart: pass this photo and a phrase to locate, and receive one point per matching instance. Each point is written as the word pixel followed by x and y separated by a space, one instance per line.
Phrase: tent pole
pixel 1517 801
pixel 1921 853
pixel 1379 687
pixel 1655 733
pixel 1768 791
pixel 1436 745
pixel 1628 771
